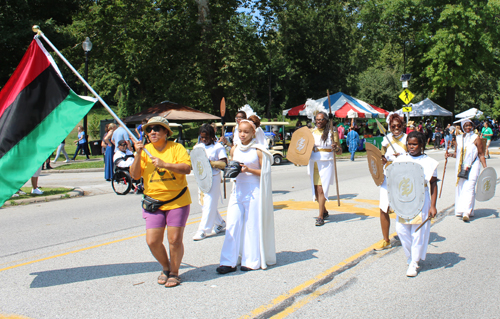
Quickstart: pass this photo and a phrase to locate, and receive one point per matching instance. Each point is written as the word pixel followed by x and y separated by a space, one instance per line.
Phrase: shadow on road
pixel 283 258
pixel 342 196
pixel 484 212
pixel 71 275
pixel 444 260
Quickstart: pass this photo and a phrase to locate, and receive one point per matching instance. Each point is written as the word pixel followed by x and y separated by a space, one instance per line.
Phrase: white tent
pixel 426 108
pixel 473 112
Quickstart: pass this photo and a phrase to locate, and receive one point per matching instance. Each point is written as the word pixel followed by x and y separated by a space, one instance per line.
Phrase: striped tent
pixel 343 106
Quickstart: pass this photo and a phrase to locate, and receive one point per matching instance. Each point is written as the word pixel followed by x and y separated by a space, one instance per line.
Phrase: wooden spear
pixel 444 171
pixel 223 122
pixel 333 143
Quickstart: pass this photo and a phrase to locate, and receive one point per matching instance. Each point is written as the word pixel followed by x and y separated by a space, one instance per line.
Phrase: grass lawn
pixel 82 165
pixel 47 191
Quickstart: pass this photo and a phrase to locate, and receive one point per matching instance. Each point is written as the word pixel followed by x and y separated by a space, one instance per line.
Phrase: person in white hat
pixel 165 186
pixel 468 152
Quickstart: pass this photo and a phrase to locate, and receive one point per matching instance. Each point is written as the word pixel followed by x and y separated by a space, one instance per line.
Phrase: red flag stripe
pixel 33 63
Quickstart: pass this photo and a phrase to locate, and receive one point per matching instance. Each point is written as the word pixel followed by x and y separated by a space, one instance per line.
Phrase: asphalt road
pixel 87 258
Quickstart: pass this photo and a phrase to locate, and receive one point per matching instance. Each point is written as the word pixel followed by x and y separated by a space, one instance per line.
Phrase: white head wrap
pixel 313 108
pixel 248 111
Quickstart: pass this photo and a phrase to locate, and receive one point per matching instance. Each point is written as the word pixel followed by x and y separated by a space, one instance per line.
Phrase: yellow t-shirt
pixel 163 184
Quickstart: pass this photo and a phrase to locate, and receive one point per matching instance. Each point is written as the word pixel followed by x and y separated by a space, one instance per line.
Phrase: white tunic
pixel 322 155
pixel 415 243
pixel 465 191
pixel 400 147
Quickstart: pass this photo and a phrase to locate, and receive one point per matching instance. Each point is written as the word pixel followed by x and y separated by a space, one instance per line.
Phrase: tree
pixel 16 20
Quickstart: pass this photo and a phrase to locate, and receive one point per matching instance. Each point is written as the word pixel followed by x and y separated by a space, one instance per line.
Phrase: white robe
pixel 415 243
pixel 400 147
pixel 248 217
pixel 465 191
pixel 324 161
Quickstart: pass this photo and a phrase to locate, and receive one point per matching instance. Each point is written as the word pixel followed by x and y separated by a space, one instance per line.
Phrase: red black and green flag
pixel 37 112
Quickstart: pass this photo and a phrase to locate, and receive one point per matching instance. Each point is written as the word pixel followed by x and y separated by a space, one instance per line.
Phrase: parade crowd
pixel 249 228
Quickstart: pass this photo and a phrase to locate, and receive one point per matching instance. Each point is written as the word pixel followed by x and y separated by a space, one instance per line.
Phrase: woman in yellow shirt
pixel 165 186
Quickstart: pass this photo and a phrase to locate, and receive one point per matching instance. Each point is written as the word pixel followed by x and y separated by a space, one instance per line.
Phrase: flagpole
pixel 39 33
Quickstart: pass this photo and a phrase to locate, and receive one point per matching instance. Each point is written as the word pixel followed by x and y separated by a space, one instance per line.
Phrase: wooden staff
pixel 222 113
pixel 425 221
pixel 444 171
pixel 333 142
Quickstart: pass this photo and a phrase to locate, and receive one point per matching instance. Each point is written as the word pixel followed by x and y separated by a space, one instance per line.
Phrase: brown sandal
pixel 163 277
pixel 173 281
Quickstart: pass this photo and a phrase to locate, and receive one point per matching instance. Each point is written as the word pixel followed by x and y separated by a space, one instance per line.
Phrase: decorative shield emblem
pixel 301 146
pixel 202 170
pixel 405 187
pixel 375 163
pixel 486 184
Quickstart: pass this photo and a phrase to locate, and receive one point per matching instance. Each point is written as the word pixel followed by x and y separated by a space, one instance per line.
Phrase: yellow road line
pixel 194 221
pixel 70 252
pixel 309 283
pixel 258 311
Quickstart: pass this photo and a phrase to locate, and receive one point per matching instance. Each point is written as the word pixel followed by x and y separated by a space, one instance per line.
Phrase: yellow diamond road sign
pixel 406 96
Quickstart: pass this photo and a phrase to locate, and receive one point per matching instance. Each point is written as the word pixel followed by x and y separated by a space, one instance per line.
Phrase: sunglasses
pixel 156 128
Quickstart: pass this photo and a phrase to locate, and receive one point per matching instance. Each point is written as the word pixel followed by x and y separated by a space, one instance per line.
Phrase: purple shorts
pixel 174 218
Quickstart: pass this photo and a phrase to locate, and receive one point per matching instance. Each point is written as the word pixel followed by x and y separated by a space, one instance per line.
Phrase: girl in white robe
pixel 468 152
pixel 415 243
pixel 211 220
pixel 398 141
pixel 250 215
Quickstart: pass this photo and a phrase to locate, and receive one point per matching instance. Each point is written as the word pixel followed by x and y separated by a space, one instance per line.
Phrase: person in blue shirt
pixel 81 142
pixel 352 140
pixel 121 134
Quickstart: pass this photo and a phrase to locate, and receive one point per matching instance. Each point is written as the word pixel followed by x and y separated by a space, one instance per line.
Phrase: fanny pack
pixel 151 205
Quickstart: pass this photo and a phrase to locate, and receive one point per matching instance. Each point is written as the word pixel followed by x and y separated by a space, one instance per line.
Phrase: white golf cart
pixel 272 138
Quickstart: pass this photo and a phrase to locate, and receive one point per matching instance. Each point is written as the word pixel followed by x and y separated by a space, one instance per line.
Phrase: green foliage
pixel 145 52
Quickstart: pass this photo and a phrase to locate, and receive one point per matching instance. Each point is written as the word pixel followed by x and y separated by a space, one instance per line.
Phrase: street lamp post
pixel 87 46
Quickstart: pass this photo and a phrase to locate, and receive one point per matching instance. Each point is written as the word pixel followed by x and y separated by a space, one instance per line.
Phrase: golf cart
pixel 272 138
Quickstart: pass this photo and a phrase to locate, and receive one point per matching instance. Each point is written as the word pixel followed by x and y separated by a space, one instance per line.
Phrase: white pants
pixel 414 244
pixel 242 227
pixel 210 215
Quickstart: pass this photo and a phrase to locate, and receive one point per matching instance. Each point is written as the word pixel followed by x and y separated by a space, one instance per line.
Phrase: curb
pixel 74 193
pixel 77 170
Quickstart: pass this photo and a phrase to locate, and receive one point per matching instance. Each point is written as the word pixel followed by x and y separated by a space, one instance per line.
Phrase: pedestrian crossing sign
pixel 406 96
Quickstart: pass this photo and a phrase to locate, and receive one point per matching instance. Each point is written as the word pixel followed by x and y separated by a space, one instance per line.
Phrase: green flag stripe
pixel 19 164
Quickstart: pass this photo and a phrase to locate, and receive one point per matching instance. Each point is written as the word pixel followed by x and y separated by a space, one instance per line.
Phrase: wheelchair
pixel 122 182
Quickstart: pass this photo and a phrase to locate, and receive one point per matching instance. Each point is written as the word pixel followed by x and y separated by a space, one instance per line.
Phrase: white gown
pixel 400 146
pixel 250 215
pixel 465 191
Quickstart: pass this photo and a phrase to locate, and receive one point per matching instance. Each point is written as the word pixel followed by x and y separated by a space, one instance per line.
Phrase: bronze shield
pixel 301 146
pixel 375 163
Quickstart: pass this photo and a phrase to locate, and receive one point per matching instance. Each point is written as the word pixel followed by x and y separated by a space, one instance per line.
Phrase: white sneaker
pixel 199 235
pixel 15 195
pixel 66 161
pixel 53 162
pixel 220 228
pixel 36 191
pixel 20 192
pixel 412 269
